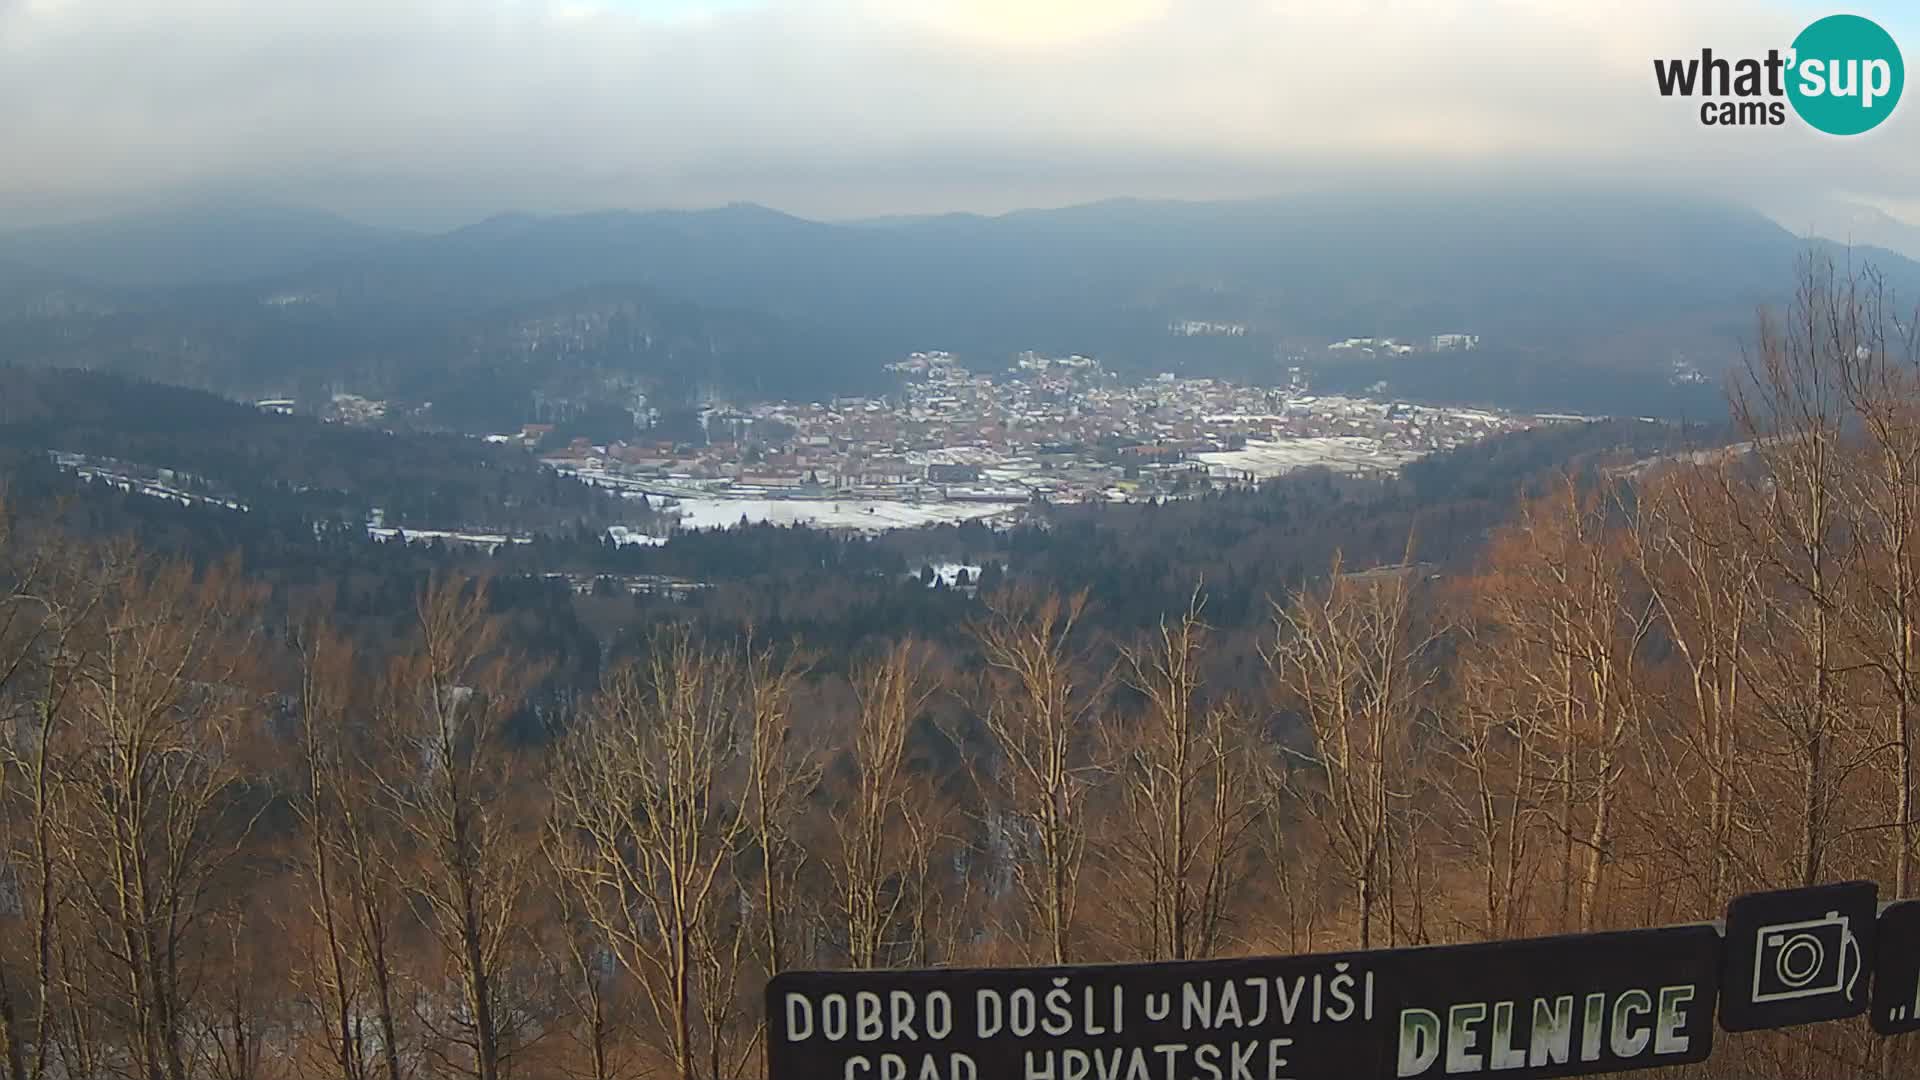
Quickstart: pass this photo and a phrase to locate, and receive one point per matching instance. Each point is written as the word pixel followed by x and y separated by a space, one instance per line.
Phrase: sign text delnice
pixel 1538 1007
pixel 1541 1007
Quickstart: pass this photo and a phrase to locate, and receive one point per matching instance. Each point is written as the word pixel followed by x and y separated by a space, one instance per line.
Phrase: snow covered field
pixel 490 541
pixel 625 537
pixel 867 515
pixel 1264 459
pixel 1261 458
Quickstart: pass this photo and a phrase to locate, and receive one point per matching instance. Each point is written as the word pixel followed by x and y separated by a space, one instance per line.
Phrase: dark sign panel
pixel 1542 1007
pixel 1896 970
pixel 1798 956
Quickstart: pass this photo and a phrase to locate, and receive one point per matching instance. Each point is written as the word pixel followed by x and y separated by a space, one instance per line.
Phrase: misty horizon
pixel 412 115
pixel 217 207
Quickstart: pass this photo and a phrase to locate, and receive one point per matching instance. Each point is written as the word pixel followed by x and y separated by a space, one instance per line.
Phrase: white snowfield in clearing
pixel 411 536
pixel 949 572
pixel 625 537
pixel 865 514
pixel 1264 459
pixel 158 491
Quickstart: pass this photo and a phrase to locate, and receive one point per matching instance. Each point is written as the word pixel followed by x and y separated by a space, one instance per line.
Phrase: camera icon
pixel 1806 959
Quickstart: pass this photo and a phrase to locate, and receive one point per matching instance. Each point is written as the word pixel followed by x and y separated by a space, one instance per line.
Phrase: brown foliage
pixel 251 856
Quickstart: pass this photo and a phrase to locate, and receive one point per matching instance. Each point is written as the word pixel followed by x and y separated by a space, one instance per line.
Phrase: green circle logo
pixel 1847 75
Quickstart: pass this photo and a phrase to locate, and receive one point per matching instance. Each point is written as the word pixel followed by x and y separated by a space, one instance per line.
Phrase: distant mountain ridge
pixel 1851 223
pixel 749 299
pixel 192 245
pixel 1096 278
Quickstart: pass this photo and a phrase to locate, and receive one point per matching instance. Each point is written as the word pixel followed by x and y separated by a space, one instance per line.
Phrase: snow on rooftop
pixel 956 455
pixel 625 537
pixel 867 515
pixel 1263 458
pixel 1472 414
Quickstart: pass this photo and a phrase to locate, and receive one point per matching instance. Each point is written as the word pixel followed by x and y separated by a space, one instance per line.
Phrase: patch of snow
pixel 1264 459
pixel 865 515
pixel 486 540
pixel 949 573
pixel 625 537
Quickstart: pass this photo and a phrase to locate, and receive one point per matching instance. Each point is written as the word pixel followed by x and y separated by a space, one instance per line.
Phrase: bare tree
pixel 1791 408
pixel 1493 736
pixel 1233 804
pixel 874 857
pixel 1571 625
pixel 234 1034
pixel 645 833
pixel 1349 658
pixel 451 781
pixel 1041 712
pixel 1294 909
pixel 364 850
pixel 783 774
pixel 586 970
pixel 1706 588
pixel 342 859
pixel 721 959
pixel 51 593
pixel 1176 849
pixel 153 781
pixel 326 675
pixel 1879 379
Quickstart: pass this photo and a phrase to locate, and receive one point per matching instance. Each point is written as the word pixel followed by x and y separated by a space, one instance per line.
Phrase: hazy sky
pixel 431 112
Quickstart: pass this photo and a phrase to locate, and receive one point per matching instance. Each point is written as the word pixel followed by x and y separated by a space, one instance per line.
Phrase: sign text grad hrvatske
pixel 1541 1007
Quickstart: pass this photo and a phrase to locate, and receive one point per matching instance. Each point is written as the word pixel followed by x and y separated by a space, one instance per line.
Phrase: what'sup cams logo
pixel 1843 76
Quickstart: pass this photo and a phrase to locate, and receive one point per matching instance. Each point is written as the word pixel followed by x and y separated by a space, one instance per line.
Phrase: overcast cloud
pixel 432 112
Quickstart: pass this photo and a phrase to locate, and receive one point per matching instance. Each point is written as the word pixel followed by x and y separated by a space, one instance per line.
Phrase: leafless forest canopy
pixel 242 846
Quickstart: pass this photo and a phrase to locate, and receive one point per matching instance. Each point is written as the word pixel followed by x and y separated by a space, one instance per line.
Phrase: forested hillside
pixel 253 831
pixel 1581 301
pixel 282 467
